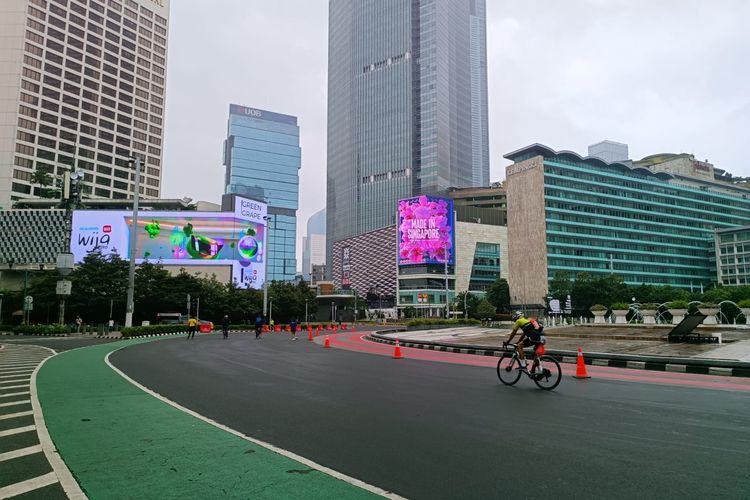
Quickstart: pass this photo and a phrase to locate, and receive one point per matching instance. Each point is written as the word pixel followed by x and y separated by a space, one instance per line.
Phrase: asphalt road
pixel 436 430
pixel 59 344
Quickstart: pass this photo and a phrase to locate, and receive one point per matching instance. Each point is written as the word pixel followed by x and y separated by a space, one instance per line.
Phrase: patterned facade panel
pixel 31 236
pixel 371 263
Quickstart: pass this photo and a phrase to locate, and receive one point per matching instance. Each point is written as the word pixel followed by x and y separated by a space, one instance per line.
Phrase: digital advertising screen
pixel 177 238
pixel 425 231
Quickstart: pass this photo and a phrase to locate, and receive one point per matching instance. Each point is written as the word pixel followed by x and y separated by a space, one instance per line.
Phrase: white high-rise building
pixel 82 86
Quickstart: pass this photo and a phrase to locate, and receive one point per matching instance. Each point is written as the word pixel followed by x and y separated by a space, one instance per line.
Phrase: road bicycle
pixel 545 370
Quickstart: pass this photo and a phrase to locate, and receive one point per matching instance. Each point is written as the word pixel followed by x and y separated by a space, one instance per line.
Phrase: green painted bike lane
pixel 120 442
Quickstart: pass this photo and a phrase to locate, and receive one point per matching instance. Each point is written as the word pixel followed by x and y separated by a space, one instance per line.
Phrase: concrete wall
pixel 12 24
pixel 527 232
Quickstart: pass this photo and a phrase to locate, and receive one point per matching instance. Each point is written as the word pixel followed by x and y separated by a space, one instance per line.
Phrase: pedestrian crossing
pixel 26 471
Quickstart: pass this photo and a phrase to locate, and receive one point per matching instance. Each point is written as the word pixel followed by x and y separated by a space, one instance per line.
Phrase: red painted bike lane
pixel 357 342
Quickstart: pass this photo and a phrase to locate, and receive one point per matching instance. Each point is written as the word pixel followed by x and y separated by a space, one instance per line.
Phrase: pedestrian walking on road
pixel 225 326
pixel 258 326
pixel 293 328
pixel 192 327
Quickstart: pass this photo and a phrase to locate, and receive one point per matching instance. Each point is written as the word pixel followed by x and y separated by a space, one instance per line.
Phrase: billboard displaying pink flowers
pixel 425 231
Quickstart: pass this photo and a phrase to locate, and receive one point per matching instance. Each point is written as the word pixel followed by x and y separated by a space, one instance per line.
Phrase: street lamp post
pixel 466 313
pixel 306 317
pixel 129 305
pixel 266 254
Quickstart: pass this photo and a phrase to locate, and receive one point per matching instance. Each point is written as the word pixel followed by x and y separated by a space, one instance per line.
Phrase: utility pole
pixel 130 306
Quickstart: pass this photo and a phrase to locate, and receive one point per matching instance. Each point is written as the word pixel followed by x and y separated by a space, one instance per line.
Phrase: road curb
pixel 726 368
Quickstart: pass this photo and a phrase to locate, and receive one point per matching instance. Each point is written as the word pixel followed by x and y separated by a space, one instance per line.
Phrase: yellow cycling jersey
pixel 520 323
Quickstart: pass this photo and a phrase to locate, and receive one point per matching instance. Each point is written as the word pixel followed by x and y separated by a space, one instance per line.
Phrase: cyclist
pixel 531 334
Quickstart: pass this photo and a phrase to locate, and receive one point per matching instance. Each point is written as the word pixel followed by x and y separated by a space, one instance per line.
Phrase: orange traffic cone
pixel 317 332
pixel 581 366
pixel 327 343
pixel 353 326
pixel 397 351
pixel 309 335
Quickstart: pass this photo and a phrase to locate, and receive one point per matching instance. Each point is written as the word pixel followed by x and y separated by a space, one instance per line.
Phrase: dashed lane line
pixel 17 430
pixel 14 403
pixel 28 485
pixel 20 453
pixel 16 415
pixel 22 393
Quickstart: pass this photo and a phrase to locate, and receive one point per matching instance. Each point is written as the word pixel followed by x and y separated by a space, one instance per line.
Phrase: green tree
pixel 499 295
pixel 560 286
pixel 485 309
pixel 470 300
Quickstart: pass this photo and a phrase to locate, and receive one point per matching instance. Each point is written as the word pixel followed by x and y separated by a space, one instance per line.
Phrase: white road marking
pixel 16 415
pixel 27 486
pixel 17 430
pixel 15 387
pixel 22 393
pixel 13 403
pixel 37 448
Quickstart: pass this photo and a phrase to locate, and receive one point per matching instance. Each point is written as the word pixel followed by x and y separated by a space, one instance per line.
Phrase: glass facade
pixel 733 256
pixel 646 228
pixel 262 157
pixel 486 268
pixel 407 114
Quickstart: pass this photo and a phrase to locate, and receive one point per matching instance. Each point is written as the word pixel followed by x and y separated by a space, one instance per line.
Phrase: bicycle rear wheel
pixel 547 374
pixel 506 369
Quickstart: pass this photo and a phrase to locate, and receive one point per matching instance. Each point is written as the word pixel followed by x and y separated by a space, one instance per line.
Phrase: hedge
pixel 41 330
pixel 134 331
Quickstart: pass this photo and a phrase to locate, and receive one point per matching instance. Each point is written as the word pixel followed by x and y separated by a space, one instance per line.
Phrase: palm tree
pixel 44 179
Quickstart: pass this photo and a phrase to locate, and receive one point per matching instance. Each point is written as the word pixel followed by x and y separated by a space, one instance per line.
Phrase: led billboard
pixel 425 231
pixel 179 238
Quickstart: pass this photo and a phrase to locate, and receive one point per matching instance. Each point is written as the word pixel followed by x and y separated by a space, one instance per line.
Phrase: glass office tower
pixel 407 106
pixel 644 224
pixel 262 157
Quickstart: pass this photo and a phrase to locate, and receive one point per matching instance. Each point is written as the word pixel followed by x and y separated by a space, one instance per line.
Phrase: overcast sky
pixel 659 75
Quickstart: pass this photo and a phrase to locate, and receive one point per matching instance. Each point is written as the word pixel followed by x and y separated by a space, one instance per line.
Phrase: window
pixel 67 136
pixel 74 54
pixel 90 84
pixel 37 13
pixel 29 99
pixel 27 150
pixel 46 117
pixel 52 94
pixel 30 73
pixel 49 68
pixel 47 143
pixel 24 162
pixel 73 89
pixel 33 62
pixel 25 136
pixel 21 188
pixel 27 111
pixel 46 129
pixel 34 37
pixel 53 82
pixel 33 49
pixel 27 124
pixel 93 50
pixel 69 124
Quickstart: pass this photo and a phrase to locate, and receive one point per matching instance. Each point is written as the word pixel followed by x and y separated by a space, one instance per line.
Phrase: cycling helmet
pixel 517 315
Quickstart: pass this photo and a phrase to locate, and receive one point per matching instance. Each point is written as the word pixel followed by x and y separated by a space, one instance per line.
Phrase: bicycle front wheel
pixel 506 369
pixel 547 374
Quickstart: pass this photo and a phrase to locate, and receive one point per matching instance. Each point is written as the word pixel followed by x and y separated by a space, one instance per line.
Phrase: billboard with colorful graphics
pixel 179 238
pixel 425 231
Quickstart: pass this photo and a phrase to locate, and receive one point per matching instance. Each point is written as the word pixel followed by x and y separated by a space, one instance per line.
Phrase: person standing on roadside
pixel 293 328
pixel 258 326
pixel 225 326
pixel 192 327
pixel 79 323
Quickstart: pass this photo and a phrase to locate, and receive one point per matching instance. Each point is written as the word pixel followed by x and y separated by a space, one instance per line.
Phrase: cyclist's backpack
pixel 536 332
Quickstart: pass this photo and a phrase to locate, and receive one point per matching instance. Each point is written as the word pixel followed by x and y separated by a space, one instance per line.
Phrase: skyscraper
pixel 314 243
pixel 82 86
pixel 407 106
pixel 262 158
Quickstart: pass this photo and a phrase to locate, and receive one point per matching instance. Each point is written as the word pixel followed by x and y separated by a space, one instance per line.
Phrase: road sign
pixel 64 287
pixel 28 303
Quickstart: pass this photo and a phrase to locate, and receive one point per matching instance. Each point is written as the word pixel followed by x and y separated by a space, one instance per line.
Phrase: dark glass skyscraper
pixel 407 106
